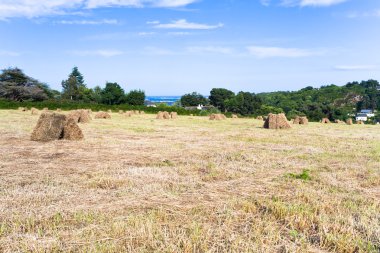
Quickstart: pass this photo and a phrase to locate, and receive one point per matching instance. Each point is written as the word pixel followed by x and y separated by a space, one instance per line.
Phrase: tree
pixel 112 94
pixel 74 87
pixel 244 103
pixel 15 85
pixel 218 96
pixel 135 97
pixel 193 99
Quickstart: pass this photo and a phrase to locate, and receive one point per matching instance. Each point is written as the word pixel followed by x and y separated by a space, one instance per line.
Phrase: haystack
pixel 276 121
pixel 174 115
pixel 109 111
pixel 102 115
pixel 80 116
pixel 234 116
pixel 166 115
pixel 54 126
pixel 71 131
pixel 59 110
pixel 304 121
pixel 217 117
pixel 23 109
pixel 260 118
pixel 349 122
pixel 35 111
pixel 121 112
pixel 128 114
pixel 296 120
pixel 45 109
pixel 359 122
pixel 142 112
pixel 160 115
pixel 325 121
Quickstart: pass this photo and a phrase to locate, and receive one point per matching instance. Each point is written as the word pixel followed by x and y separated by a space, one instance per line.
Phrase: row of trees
pixel 243 103
pixel 74 88
pixel 334 102
pixel 17 86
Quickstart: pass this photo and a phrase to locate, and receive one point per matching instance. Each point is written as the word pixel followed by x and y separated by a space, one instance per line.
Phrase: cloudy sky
pixel 171 47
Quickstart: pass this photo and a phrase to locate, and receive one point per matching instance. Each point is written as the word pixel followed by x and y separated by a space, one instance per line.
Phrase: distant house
pixel 364 114
pixel 361 117
pixel 149 104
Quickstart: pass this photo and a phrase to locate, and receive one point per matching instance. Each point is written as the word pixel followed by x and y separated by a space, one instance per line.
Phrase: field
pixel 189 185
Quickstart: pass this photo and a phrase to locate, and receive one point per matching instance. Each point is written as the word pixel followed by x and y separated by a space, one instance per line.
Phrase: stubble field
pixel 189 185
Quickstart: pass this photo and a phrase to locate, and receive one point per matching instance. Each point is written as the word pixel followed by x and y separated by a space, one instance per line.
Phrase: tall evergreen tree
pixel 74 87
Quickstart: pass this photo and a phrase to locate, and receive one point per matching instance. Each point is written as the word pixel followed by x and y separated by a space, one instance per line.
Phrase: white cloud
pixel 178 33
pixel 9 53
pixel 303 3
pixel 89 22
pixel 320 2
pixel 210 49
pixel 184 24
pixel 355 67
pixel 102 53
pixel 158 51
pixel 146 33
pixel 38 8
pixel 270 52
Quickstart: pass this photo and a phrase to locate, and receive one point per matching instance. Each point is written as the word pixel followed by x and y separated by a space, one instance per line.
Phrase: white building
pixel 363 115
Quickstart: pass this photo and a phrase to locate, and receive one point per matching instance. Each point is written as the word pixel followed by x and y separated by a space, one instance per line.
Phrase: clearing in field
pixel 138 184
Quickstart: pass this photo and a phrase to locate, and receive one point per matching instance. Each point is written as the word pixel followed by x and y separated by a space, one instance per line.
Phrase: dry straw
pixel 276 121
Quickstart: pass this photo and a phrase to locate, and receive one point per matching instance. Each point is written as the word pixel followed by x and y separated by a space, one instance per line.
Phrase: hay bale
pixel 359 122
pixel 276 121
pixel 45 109
pixel 166 115
pixel 128 114
pixel 49 127
pixel 59 110
pixel 304 121
pixel 215 116
pixel 349 122
pixel 142 112
pixel 80 116
pixel 121 112
pixel 325 121
pixel 160 115
pixel 54 126
pixel 75 115
pixel 234 116
pixel 71 131
pixel 102 115
pixel 109 111
pixel 296 120
pixel 35 111
pixel 174 115
pixel 260 118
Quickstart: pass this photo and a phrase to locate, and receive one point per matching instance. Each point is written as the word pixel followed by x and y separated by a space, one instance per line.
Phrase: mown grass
pixel 189 185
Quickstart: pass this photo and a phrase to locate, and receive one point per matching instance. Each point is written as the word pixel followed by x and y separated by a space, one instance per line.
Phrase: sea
pixel 169 100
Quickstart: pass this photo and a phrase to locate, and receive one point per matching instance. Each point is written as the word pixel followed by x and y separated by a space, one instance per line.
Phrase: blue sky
pixel 172 47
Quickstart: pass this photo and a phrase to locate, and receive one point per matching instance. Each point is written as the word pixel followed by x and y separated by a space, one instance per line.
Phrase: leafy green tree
pixel 218 96
pixel 74 87
pixel 112 94
pixel 135 97
pixel 244 103
pixel 15 85
pixel 193 99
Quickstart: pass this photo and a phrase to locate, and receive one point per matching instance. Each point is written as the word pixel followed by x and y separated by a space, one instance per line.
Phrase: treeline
pixel 17 86
pixel 332 101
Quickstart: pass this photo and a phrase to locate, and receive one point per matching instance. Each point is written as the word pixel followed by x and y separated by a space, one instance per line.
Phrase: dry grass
pixel 191 185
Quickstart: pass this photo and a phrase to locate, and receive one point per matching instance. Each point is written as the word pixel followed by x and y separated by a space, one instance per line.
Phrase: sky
pixel 173 47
